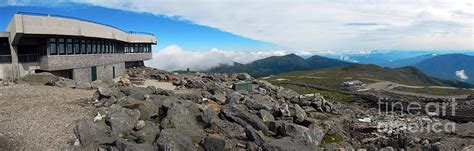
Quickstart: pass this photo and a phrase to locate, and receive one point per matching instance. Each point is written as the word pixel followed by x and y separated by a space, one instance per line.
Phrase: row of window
pixel 136 48
pixel 67 46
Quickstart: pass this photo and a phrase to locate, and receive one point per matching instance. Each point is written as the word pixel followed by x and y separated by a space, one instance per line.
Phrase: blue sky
pixel 168 30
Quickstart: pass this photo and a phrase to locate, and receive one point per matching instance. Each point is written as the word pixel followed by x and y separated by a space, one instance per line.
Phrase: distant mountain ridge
pixel 445 66
pixel 406 75
pixel 280 64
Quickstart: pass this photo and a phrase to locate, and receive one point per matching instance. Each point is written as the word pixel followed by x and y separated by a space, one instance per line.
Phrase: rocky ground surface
pixel 207 111
pixel 38 117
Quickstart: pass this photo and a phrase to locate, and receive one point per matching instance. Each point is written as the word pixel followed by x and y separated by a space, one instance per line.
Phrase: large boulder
pixel 183 115
pixel 213 143
pixel 234 97
pixel 147 109
pixel 303 134
pixel 137 92
pixel 258 102
pixel 121 120
pixel 239 113
pixel 149 132
pixel 298 113
pixel 89 133
pixel 38 78
pixel 175 140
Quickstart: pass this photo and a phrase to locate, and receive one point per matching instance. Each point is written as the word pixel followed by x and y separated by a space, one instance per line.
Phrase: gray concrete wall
pixel 62 62
pixel 46 25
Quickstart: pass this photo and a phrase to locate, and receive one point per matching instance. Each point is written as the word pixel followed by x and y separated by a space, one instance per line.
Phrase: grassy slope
pixel 333 77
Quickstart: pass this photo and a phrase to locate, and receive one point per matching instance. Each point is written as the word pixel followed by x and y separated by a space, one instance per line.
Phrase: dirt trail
pixel 39 117
pixel 389 87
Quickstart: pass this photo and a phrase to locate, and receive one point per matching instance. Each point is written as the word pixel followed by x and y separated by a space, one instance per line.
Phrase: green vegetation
pixel 334 138
pixel 333 77
pixel 436 91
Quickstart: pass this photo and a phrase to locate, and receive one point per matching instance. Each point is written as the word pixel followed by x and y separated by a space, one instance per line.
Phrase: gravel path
pixel 39 117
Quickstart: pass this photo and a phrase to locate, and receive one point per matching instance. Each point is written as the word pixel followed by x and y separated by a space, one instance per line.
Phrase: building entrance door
pixel 94 73
pixel 113 72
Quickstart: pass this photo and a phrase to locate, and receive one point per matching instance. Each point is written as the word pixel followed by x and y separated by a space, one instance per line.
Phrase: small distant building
pixel 242 86
pixel 353 83
pixel 70 47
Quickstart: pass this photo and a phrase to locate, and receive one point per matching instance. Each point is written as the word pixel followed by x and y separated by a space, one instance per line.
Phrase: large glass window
pixel 94 46
pixel 89 47
pixel 145 48
pixel 136 48
pixel 125 48
pixel 140 48
pixel 62 49
pixel 113 47
pixel 69 46
pixel 108 47
pixel 83 47
pixel 52 46
pixel 77 50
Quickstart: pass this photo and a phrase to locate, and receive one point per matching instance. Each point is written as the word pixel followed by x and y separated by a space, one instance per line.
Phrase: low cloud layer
pixel 461 75
pixel 173 57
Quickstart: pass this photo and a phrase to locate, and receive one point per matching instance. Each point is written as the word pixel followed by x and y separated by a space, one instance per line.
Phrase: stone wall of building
pixel 82 74
pixel 104 72
pixel 62 62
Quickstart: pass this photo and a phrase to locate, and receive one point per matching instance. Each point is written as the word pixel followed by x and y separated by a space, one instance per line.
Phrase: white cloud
pixel 461 75
pixel 327 25
pixel 324 25
pixel 174 57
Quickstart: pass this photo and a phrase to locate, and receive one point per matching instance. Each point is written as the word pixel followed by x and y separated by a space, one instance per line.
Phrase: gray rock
pixel 287 143
pixel 147 109
pixel 213 143
pixel 89 133
pixel 149 132
pixel 121 120
pixel 244 76
pixel 288 94
pixel 234 97
pixel 239 114
pixel 105 92
pixel 64 83
pixel 298 113
pixel 183 115
pixel 139 147
pixel 259 104
pixel 302 133
pixel 229 129
pixel 265 116
pixel 208 116
pixel 175 140
pixel 465 130
pixel 38 78
pixel 255 136
pixel 136 92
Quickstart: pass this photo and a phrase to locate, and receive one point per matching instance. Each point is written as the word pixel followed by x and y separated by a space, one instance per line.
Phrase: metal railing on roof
pixel 75 18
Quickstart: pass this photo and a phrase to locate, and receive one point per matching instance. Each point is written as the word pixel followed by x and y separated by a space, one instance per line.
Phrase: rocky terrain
pixel 208 111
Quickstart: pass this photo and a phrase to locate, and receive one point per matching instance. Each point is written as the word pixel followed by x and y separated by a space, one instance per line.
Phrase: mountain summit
pixel 280 64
